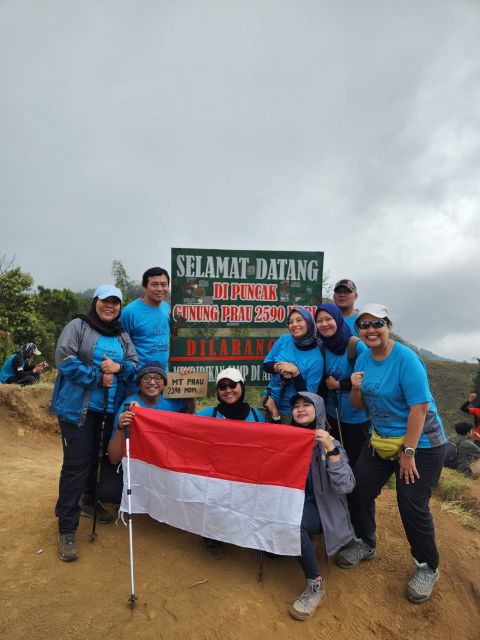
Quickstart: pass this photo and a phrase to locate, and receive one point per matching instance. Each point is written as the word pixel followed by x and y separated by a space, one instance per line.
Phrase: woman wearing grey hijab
pixel 325 510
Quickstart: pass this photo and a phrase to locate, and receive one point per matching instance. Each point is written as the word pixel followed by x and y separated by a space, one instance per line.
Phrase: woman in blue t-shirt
pixel 295 363
pixel 232 406
pixel 391 382
pixel 340 350
pixel 96 361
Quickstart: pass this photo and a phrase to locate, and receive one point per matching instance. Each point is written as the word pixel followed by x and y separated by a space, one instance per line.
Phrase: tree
pixel 121 279
pixel 54 308
pixel 17 306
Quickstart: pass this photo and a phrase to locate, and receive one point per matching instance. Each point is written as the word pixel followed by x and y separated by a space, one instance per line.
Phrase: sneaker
pixel 67 547
pixel 215 548
pixel 354 553
pixel 103 515
pixel 306 605
pixel 420 586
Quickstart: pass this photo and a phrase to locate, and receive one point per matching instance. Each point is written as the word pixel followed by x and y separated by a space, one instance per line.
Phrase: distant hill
pixel 423 353
pixel 451 382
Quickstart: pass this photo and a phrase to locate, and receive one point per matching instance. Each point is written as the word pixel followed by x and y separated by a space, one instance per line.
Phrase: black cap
pixel 348 284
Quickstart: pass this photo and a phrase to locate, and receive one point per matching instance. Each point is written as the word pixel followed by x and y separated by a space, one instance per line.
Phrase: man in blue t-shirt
pixel 344 296
pixel 147 319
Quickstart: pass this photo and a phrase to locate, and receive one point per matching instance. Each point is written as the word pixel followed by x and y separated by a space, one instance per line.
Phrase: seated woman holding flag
pixel 295 363
pixel 231 395
pixel 325 509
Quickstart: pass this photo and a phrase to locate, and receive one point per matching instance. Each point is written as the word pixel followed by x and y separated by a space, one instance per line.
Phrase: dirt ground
pixel 182 591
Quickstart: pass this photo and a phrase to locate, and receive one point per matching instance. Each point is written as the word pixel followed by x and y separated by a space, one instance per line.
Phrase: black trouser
pixel 79 470
pixel 310 526
pixel 372 473
pixel 23 378
pixel 354 435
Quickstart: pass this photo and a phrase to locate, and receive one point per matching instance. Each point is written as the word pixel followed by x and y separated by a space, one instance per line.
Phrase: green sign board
pixel 226 304
pixel 213 288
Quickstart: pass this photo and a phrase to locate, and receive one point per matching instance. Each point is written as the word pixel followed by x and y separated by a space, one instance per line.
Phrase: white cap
pixel 230 374
pixel 375 310
pixel 107 291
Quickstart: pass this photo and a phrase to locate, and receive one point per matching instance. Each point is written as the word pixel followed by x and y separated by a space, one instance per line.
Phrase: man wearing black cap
pixel 344 296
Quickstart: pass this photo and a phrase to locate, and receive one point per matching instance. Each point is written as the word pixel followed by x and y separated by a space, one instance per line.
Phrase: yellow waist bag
pixel 386 448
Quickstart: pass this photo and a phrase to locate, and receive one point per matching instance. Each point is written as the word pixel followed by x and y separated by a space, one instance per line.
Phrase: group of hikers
pixel 337 372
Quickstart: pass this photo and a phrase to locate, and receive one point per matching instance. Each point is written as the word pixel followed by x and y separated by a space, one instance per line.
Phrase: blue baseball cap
pixel 107 290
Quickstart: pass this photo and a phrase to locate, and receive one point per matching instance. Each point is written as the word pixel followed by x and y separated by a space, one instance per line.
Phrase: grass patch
pixel 454 493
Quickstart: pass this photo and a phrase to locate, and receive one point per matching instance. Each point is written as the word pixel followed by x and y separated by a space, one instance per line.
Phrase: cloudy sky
pixel 128 128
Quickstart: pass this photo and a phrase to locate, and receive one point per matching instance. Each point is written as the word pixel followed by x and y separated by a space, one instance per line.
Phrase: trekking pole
pixel 339 424
pixel 133 597
pixel 93 535
pixel 260 568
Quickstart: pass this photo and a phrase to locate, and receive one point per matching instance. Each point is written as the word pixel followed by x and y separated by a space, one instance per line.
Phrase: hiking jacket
pixel 331 482
pixel 77 375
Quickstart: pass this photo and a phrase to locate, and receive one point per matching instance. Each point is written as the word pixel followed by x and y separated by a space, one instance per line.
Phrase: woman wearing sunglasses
pixel 231 395
pixel 340 350
pixel 408 439
pixel 295 363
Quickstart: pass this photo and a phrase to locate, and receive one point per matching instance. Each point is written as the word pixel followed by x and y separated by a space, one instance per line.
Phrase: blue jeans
pixel 372 473
pixel 310 526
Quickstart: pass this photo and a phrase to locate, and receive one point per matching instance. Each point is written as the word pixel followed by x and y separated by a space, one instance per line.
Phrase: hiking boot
pixel 214 547
pixel 103 515
pixel 306 605
pixel 420 586
pixel 354 553
pixel 67 547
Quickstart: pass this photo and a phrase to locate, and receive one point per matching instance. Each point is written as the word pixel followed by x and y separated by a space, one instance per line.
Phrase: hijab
pixel 317 401
pixel 337 343
pixel 239 410
pixel 310 338
pixel 110 329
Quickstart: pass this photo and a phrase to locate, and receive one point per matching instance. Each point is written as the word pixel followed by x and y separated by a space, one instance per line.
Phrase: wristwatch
pixel 334 452
pixel 276 418
pixel 409 452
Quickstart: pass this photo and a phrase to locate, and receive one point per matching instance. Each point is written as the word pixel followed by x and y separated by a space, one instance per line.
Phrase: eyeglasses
pixel 151 378
pixel 375 324
pixel 226 385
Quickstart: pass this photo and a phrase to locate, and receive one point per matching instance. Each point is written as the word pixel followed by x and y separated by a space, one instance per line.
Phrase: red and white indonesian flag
pixel 230 480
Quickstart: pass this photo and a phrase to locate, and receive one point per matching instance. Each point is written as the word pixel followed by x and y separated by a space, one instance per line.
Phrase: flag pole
pixel 133 597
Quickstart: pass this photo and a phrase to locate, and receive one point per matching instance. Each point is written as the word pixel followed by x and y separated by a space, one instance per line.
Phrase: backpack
pixel 451 456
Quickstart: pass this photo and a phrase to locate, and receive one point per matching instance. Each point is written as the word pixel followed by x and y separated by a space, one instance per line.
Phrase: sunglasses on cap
pixel 226 385
pixel 375 324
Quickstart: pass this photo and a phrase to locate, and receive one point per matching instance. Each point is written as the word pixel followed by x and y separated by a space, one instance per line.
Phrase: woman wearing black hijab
pixel 96 360
pixel 232 406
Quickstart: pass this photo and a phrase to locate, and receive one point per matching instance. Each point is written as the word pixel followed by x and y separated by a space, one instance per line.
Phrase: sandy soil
pixel 182 591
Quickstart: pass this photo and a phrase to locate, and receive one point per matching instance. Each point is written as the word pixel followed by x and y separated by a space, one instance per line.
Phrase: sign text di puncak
pixel 213 288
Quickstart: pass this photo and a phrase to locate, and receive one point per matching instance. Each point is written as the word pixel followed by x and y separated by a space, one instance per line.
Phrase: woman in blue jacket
pixel 295 363
pixel 325 509
pixel 340 350
pixel 96 360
